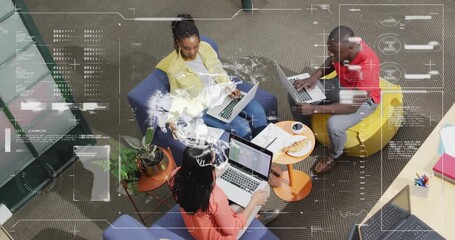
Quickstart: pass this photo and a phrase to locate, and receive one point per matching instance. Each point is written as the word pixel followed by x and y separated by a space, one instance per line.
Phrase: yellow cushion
pixel 364 139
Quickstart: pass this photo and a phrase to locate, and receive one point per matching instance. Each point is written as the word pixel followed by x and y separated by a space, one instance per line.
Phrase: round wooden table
pixel 295 184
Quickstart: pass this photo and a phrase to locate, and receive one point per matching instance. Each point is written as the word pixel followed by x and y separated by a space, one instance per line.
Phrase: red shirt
pixel 220 222
pixel 361 73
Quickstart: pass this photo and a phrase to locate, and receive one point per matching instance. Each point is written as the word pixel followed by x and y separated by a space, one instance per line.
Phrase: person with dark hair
pixel 204 206
pixel 197 78
pixel 357 68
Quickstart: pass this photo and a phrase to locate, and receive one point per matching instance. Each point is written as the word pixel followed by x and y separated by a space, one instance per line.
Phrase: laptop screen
pixel 284 80
pixel 250 157
pixel 389 217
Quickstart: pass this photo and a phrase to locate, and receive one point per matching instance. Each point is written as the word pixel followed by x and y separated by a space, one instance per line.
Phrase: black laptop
pixel 395 221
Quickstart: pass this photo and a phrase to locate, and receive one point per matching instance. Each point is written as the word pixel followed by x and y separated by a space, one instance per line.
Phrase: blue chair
pixel 158 81
pixel 170 226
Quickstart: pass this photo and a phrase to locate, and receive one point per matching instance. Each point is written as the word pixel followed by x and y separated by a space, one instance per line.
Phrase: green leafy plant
pixel 139 153
pixel 144 148
pixel 125 167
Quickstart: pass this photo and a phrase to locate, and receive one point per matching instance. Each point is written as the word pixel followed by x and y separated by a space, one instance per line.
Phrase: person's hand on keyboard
pixel 307 83
pixel 259 197
pixel 219 171
pixel 235 93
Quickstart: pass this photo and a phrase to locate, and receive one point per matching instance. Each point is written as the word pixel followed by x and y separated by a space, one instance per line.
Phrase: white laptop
pixel 247 171
pixel 231 107
pixel 305 95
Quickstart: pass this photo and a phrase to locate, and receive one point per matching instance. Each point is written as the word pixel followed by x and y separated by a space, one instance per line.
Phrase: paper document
pixel 273 138
pixel 441 146
pixel 197 129
pixel 215 133
pixel 448 140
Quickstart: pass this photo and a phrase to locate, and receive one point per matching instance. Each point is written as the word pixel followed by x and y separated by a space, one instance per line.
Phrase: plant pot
pixel 152 167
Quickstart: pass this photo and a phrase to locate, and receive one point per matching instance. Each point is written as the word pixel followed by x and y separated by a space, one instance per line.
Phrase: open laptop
pixel 231 107
pixel 395 221
pixel 314 94
pixel 247 172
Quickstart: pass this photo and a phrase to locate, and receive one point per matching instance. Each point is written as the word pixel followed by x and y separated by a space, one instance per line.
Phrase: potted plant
pixel 124 167
pixel 138 156
pixel 148 156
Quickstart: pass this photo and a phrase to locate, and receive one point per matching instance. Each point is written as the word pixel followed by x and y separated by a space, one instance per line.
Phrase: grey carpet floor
pixel 291 32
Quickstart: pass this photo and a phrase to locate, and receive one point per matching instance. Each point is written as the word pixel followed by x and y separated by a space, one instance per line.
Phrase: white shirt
pixel 199 68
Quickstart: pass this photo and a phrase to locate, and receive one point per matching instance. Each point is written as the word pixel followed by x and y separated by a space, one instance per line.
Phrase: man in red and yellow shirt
pixel 357 68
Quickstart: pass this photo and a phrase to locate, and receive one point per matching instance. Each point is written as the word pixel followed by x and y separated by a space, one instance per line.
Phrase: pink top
pixel 220 222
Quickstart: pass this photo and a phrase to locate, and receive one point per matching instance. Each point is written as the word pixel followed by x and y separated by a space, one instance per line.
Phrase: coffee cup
pixel 297 127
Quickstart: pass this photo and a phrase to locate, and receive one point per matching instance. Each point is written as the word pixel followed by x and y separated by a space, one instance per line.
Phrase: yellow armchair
pixel 372 133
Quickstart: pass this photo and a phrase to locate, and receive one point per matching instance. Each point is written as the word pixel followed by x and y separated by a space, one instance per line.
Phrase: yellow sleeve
pixel 164 64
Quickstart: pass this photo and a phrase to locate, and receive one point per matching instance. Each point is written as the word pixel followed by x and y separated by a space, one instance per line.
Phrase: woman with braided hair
pixel 198 80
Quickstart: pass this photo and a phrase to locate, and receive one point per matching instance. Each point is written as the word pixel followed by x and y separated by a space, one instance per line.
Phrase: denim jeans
pixel 247 124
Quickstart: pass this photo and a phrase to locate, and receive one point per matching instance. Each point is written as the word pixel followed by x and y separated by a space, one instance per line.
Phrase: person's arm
pixel 335 108
pixel 227 220
pixel 338 108
pixel 235 93
pixel 180 101
pixel 172 116
pixel 230 222
pixel 326 68
pixel 258 198
pixel 215 67
pixel 176 107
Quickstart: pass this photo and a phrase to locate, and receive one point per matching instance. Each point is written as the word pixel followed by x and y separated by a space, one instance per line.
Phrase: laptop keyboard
pixel 227 111
pixel 240 180
pixel 412 231
pixel 303 95
pixel 390 214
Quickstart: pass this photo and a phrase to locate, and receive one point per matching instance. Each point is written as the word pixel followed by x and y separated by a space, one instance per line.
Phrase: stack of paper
pixel 448 140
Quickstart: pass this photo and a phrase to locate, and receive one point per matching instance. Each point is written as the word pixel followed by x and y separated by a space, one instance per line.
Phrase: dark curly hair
pixel 193 184
pixel 183 28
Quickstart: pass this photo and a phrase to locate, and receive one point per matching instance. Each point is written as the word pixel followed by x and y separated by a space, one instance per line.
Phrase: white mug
pixel 297 127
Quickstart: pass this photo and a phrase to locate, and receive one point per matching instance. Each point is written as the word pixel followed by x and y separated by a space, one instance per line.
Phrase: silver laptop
pixel 305 95
pixel 231 107
pixel 247 172
pixel 395 221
